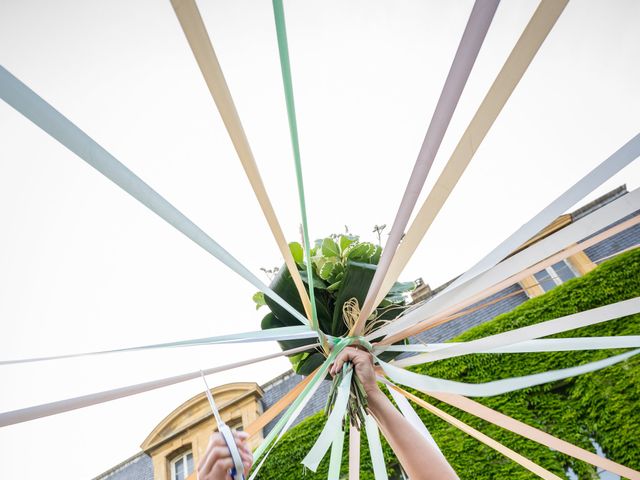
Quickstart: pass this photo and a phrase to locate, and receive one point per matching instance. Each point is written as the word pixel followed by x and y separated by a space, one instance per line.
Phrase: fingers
pixel 217 458
pixel 350 354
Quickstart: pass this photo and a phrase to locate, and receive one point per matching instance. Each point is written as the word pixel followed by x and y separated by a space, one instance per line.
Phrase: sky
pixel 84 267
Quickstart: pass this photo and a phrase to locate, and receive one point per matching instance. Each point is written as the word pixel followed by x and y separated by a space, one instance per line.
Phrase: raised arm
pixel 416 455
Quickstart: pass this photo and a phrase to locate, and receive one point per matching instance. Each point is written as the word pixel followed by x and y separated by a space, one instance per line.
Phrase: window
pixel 554 275
pixel 182 466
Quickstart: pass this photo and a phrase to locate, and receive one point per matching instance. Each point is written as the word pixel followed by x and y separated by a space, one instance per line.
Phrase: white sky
pixel 83 266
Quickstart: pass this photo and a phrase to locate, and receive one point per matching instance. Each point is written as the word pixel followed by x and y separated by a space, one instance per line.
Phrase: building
pixel 174 446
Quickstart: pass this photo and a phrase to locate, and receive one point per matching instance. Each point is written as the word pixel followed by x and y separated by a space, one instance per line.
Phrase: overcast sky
pixel 83 266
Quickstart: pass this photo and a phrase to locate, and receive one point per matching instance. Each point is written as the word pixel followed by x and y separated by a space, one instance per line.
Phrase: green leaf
pixel 355 284
pixel 317 281
pixel 258 297
pixel 307 365
pixel 375 258
pixel 334 286
pixel 330 248
pixel 326 270
pixel 346 240
pixel 362 252
pixel 297 252
pixel 402 287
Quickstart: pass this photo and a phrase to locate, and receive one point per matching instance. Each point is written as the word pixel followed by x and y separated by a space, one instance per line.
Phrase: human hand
pixel 363 364
pixel 217 461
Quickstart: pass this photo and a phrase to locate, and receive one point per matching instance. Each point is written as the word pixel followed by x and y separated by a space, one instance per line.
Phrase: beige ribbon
pixel 200 43
pixel 446 315
pixel 490 442
pixel 514 68
pixel 474 408
pixel 354 453
pixel 259 423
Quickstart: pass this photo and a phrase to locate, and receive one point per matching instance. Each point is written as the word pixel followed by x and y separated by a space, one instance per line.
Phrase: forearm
pixel 418 457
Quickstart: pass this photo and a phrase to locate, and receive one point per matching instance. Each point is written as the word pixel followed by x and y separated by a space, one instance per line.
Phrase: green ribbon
pixel 290 415
pixel 283 50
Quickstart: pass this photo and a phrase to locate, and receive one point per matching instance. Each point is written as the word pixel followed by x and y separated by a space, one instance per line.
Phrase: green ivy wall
pixel 604 406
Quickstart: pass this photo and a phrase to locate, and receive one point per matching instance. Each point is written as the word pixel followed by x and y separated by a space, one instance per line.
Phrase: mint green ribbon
pixel 283 49
pixel 298 404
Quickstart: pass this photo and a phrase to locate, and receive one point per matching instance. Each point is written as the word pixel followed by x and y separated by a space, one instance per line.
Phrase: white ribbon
pixel 530 332
pixel 296 332
pixel 33 107
pixel 533 346
pixel 335 461
pixel 541 250
pixel 413 418
pixel 432 384
pixel 53 408
pixel 333 425
pixel 375 448
pixel 596 177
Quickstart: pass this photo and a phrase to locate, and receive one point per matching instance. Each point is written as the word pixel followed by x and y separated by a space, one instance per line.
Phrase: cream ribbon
pixel 200 43
pixel 532 433
pixel 61 406
pixel 468 49
pixel 507 452
pixel 514 68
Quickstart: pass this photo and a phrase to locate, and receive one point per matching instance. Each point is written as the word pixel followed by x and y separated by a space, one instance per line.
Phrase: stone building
pixel 172 449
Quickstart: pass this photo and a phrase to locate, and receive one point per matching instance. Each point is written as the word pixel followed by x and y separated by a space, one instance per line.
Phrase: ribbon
pixel 503 86
pixel 296 407
pixel 523 264
pixel 496 387
pixel 334 423
pixel 354 453
pixel 412 417
pixel 61 406
pixel 33 107
pixel 335 461
pixel 443 316
pixel 200 43
pixel 275 409
pixel 530 332
pixel 527 431
pixel 375 448
pixel 283 51
pixel 273 334
pixel 596 177
pixel 472 39
pixel 490 442
pixel 530 346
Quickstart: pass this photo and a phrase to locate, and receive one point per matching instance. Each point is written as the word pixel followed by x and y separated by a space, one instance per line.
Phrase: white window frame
pixel 182 456
pixel 553 275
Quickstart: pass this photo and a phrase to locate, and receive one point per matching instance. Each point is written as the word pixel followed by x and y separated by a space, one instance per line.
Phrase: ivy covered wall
pixel 602 406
